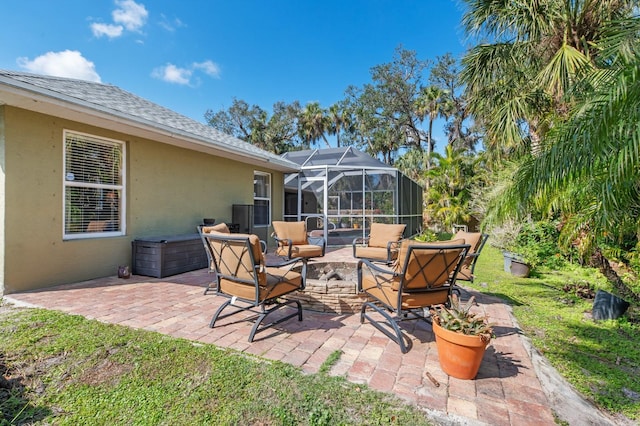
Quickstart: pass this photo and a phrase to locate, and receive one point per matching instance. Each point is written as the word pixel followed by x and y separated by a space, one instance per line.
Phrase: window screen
pixel 93 186
pixel 261 199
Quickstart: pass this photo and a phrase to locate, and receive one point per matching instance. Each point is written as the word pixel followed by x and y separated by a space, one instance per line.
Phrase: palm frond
pixel 560 74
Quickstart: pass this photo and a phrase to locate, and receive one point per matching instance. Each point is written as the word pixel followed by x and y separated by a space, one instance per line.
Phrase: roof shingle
pixel 114 100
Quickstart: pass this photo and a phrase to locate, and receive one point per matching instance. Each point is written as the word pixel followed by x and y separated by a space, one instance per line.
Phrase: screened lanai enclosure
pixel 339 192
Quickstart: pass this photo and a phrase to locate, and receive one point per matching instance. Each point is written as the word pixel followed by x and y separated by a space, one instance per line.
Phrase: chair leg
pixel 218 312
pixel 256 326
pixel 396 335
pixel 212 286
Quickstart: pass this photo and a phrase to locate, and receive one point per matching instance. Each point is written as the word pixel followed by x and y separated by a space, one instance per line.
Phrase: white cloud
pixel 170 25
pixel 130 14
pixel 68 63
pixel 108 30
pixel 208 67
pixel 173 74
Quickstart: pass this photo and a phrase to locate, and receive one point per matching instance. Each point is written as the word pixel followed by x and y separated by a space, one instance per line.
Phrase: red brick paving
pixel 506 391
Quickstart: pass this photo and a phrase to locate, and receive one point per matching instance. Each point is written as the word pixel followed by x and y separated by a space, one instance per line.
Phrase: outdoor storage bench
pixel 168 255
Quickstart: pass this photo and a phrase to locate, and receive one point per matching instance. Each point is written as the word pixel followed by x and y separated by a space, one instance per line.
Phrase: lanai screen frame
pixel 338 164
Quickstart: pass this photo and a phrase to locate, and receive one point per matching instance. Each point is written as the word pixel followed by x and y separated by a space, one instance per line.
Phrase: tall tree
pixel 340 120
pixel 276 133
pixel 446 75
pixel 589 171
pixel 519 81
pixel 431 104
pixel 383 111
pixel 239 120
pixel 448 195
pixel 313 124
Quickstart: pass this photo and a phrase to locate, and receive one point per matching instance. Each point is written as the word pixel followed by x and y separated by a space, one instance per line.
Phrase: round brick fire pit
pixel 331 287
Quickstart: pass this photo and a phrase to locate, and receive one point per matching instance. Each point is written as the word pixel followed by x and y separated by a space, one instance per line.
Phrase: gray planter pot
pixel 508 258
pixel 519 268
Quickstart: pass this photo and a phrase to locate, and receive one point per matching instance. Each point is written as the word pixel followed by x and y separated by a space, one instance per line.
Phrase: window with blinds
pixel 93 186
pixel 261 199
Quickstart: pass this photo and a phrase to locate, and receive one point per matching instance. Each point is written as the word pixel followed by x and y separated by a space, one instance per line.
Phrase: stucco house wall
pixel 169 189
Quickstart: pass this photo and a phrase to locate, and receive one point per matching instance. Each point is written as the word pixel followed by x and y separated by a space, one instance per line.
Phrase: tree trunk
pixel 602 263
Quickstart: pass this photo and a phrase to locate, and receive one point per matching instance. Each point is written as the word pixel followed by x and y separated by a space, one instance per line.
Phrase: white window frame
pixel 69 182
pixel 267 198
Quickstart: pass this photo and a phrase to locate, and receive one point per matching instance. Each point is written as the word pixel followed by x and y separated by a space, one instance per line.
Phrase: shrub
pixel 537 242
pixel 426 235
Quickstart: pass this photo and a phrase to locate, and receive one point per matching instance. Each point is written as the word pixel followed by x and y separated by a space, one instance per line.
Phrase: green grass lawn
pixel 601 359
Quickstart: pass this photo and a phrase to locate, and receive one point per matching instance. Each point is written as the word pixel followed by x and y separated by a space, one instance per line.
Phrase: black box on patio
pixel 168 255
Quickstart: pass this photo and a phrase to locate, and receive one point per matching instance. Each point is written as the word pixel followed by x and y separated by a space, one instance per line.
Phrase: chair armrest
pixel 318 241
pixel 284 243
pixel 373 268
pixel 359 240
pixel 291 262
pixel 285 262
pixel 470 261
pixel 392 247
pixel 470 258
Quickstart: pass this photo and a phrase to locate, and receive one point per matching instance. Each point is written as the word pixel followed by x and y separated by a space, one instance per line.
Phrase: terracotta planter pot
pixel 460 354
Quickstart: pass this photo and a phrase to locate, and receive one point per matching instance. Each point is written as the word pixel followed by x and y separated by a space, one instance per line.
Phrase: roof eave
pixel 22 95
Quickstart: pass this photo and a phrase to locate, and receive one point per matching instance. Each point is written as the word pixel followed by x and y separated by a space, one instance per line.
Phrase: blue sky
pixel 191 56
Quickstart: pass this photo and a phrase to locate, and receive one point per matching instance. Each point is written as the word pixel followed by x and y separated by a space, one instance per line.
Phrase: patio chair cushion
pixel 300 250
pixel 276 283
pixel 471 238
pixel 413 274
pixel 220 227
pixel 294 231
pixel 385 288
pixel 381 233
pixel 474 239
pixel 229 258
pixel 374 253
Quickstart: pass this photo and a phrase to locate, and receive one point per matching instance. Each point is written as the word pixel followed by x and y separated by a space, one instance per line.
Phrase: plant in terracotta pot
pixel 461 337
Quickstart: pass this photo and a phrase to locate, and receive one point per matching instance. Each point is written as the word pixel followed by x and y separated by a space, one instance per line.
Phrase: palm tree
pixel 590 170
pixel 338 119
pixel 448 196
pixel 520 83
pixel 313 123
pixel 431 104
